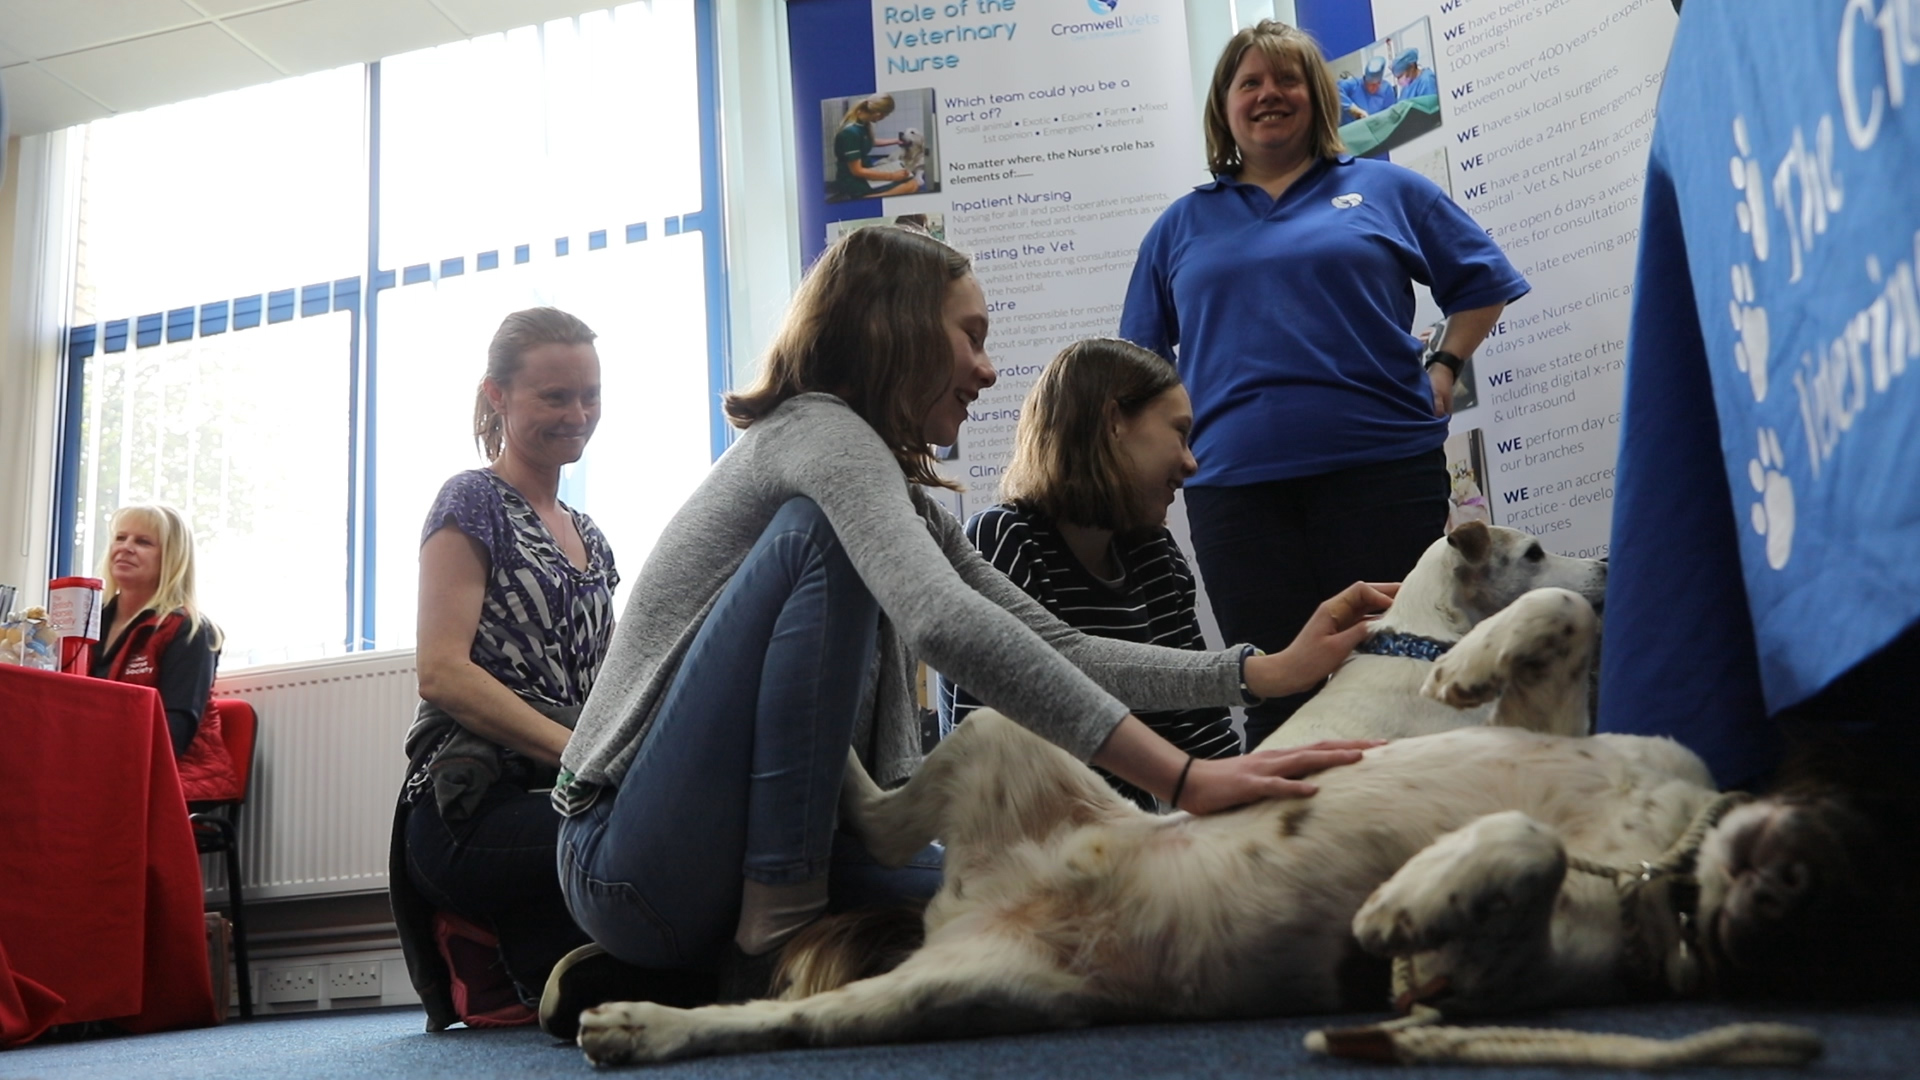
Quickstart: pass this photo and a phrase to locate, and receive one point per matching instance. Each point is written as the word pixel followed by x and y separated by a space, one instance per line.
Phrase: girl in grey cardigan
pixel 777 620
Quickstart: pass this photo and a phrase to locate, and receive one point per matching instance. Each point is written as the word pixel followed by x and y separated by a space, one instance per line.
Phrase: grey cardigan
pixel 939 600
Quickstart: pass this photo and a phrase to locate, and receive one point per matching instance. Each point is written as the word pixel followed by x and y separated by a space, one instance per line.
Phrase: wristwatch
pixel 1445 359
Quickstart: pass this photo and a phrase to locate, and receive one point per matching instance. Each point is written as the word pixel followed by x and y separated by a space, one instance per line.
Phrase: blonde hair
pixel 867 325
pixel 1068 463
pixel 878 103
pixel 1283 46
pixel 176 588
pixel 519 333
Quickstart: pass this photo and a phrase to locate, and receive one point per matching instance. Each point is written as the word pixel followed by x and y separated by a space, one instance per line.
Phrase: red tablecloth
pixel 100 895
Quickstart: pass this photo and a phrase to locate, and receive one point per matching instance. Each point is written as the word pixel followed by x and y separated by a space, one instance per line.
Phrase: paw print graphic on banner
pixel 1749 319
pixel 1773 513
pixel 1751 211
pixel 1750 324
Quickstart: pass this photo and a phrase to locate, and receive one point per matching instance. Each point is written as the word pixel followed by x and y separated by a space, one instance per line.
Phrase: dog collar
pixel 1411 646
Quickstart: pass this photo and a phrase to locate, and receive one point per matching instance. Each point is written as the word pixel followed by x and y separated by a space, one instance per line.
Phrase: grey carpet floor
pixel 1874 1041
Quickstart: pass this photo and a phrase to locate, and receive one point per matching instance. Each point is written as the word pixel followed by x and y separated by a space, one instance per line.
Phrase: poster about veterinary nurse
pixel 1042 137
pixel 1536 116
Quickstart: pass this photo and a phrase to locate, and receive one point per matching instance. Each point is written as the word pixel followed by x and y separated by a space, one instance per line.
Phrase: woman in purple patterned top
pixel 516 613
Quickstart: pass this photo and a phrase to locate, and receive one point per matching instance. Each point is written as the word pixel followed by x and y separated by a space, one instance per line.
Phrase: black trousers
pixel 1270 553
pixel 499 868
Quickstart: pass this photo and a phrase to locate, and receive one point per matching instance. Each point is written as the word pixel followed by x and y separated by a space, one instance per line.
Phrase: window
pixel 282 311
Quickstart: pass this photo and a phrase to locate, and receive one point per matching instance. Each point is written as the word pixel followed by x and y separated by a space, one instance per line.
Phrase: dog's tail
pixel 840 949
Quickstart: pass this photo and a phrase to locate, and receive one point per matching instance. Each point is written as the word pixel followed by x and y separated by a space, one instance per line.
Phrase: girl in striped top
pixel 1099 453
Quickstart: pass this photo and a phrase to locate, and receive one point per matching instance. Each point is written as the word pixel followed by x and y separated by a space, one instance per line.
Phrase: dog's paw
pixel 1466 677
pixel 631 1032
pixel 1468 883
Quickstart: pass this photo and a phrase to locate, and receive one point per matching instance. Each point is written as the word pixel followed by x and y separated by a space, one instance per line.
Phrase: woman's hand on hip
pixel 1322 645
pixel 1442 379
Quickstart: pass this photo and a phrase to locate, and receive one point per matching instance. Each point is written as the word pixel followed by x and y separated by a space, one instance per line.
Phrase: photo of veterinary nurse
pixel 774 626
pixel 1284 292
pixel 1100 450
pixel 1369 94
pixel 853 141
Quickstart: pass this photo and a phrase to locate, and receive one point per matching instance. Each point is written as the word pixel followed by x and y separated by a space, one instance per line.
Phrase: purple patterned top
pixel 545 626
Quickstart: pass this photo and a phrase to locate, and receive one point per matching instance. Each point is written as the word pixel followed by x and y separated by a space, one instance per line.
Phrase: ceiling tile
pixel 10 56
pixel 163 69
pixel 320 34
pixel 43 28
pixel 37 102
pixel 492 16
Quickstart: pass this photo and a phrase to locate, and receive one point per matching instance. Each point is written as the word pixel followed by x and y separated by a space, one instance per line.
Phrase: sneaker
pixel 590 976
pixel 483 993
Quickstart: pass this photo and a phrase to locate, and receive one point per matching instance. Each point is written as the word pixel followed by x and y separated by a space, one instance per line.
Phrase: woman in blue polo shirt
pixel 1283 290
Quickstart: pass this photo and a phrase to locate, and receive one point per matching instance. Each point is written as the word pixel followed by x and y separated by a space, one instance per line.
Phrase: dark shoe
pixel 590 976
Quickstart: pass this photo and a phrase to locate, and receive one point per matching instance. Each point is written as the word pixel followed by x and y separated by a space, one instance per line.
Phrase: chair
pixel 215 830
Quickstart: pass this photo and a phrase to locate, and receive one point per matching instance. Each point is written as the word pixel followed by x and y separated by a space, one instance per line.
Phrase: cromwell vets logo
pixel 1103 7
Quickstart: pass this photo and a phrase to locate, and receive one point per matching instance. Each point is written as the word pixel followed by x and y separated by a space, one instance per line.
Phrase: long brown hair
pixel 867 325
pixel 519 333
pixel 1284 46
pixel 1067 461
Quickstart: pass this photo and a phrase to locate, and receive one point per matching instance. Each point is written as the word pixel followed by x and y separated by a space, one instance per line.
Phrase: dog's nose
pixel 1774 891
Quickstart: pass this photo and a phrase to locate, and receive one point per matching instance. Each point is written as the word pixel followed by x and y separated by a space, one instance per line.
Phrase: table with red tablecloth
pixel 101 914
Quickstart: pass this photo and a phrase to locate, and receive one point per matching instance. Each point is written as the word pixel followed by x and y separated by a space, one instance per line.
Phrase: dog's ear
pixel 1472 541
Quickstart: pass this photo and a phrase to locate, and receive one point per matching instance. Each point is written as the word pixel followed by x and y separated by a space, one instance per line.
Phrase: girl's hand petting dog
pixel 1197 785
pixel 1323 644
pixel 1225 783
pixel 1136 754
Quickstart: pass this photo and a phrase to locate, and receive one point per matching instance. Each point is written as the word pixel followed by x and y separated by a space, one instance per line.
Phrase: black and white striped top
pixel 1152 604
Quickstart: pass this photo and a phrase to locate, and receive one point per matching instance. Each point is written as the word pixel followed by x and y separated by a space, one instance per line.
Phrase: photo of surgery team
pixel 878 145
pixel 1389 94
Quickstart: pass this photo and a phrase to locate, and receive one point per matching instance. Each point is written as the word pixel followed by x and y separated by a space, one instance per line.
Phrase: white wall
pixel 33 298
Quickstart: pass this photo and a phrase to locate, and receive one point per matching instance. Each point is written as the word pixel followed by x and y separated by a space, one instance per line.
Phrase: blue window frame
pixel 236 320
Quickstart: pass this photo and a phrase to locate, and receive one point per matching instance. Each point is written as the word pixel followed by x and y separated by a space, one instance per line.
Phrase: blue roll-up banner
pixel 1042 137
pixel 1773 417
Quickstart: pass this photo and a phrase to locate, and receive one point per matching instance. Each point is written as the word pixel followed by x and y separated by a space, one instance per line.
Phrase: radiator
pixel 327 767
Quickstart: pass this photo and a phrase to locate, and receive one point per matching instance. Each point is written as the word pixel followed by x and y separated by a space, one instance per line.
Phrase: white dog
pixel 1065 905
pixel 1463 578
pixel 913 150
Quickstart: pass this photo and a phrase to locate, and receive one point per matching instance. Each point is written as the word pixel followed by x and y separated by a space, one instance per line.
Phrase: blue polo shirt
pixel 1290 319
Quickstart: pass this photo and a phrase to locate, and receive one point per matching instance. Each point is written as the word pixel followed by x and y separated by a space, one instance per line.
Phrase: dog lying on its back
pixel 1461 580
pixel 1064 904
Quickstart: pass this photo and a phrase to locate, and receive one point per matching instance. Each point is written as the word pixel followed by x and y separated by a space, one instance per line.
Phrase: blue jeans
pixel 739 776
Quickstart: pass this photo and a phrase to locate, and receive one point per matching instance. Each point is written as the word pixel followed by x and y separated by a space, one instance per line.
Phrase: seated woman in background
pixel 516 612
pixel 1099 453
pixel 154 635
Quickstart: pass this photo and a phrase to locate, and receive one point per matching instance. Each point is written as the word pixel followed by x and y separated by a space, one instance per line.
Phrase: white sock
pixel 770 914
